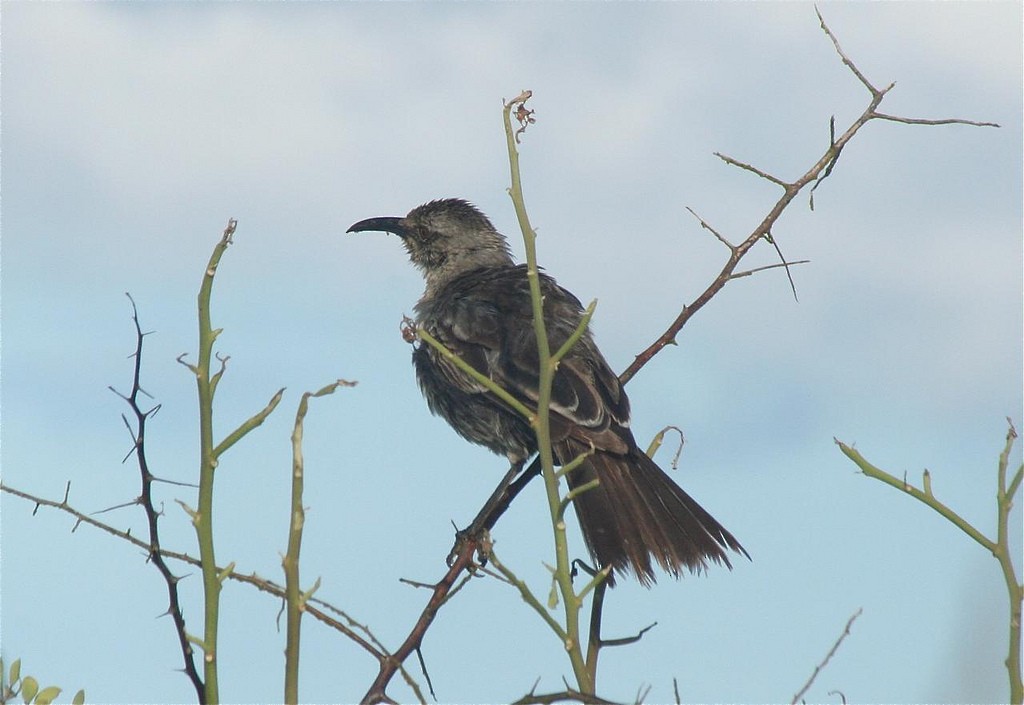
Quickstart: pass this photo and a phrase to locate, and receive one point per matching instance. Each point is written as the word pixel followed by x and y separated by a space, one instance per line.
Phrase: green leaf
pixel 47 695
pixel 79 698
pixel 15 671
pixel 29 688
pixel 553 596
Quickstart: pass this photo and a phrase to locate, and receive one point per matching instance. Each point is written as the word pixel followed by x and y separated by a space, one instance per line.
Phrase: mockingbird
pixel 477 303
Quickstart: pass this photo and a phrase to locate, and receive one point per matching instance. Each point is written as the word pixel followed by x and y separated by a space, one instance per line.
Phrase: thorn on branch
pixel 784 263
pixel 177 483
pixel 625 641
pixel 423 670
pixel 704 224
pixel 181 361
pixel 832 162
pixel 877 95
pixel 922 121
pixel 132 503
pixel 417 583
pixel 839 50
pixel 753 169
pixel 755 270
pixel 223 360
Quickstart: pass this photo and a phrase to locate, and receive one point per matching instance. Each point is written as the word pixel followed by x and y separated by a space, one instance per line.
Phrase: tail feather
pixel 637 513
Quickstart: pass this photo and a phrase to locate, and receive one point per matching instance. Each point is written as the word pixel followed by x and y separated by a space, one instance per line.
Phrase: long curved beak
pixel 386 225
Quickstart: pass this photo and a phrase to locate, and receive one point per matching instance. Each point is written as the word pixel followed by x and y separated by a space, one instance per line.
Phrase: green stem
pixel 1004 500
pixel 1000 548
pixel 546 365
pixel 203 517
pixel 480 377
pixel 576 334
pixel 926 497
pixel 252 422
pixel 528 596
pixel 290 562
pixel 295 599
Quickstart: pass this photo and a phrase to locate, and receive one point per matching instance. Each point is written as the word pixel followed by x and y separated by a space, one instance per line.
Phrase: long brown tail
pixel 637 512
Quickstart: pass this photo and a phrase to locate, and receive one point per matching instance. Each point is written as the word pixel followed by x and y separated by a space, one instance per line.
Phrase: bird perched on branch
pixel 477 303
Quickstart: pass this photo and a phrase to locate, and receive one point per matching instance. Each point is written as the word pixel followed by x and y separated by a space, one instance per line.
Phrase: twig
pixel 529 598
pixel 566 696
pixel 752 169
pixel 483 380
pixel 828 656
pixel 659 438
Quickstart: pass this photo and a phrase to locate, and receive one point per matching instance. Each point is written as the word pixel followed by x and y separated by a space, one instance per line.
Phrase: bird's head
pixel 445 238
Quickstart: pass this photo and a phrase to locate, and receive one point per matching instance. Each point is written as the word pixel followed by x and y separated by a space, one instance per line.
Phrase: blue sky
pixel 132 132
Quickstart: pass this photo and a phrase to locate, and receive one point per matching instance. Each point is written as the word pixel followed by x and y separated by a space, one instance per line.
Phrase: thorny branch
pixel 152 515
pixel 820 170
pixel 391 663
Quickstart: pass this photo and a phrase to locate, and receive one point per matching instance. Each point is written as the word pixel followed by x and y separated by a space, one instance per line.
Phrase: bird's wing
pixel 488 322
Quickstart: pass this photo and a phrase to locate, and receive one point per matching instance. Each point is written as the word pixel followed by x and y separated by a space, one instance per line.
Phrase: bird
pixel 477 303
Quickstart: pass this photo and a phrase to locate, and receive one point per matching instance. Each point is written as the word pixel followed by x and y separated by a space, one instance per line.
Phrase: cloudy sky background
pixel 131 133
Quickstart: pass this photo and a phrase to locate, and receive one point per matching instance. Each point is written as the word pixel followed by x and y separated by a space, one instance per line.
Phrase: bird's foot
pixel 471 538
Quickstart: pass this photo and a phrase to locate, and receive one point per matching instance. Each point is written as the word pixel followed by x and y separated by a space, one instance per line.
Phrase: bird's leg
pixel 511 485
